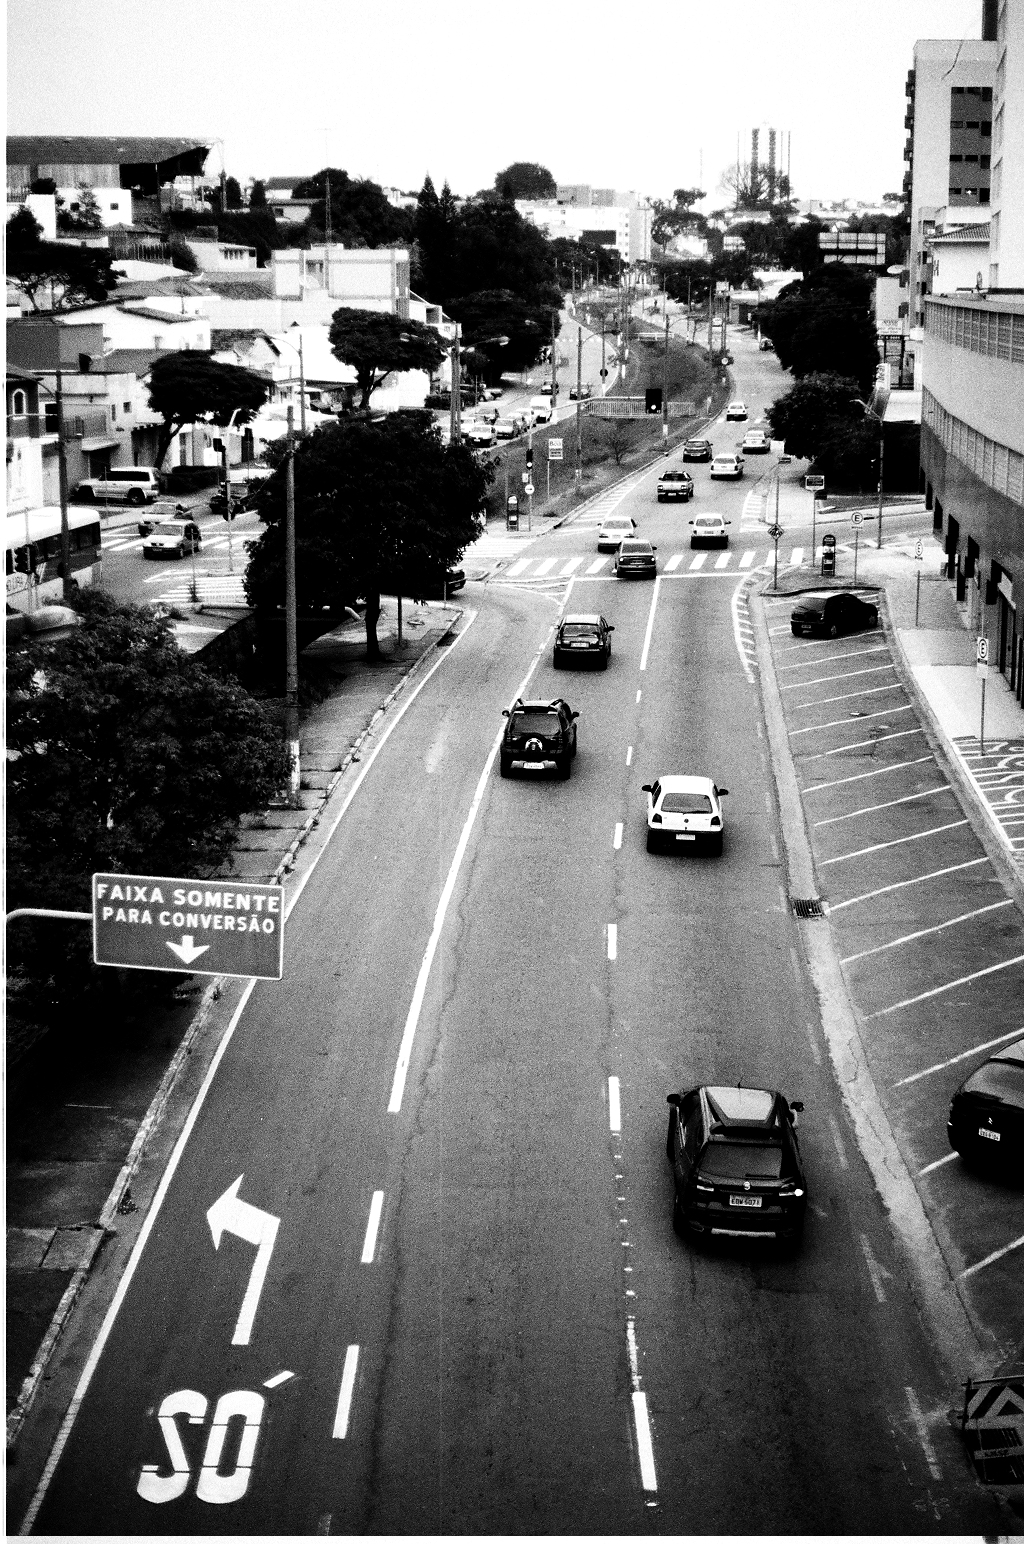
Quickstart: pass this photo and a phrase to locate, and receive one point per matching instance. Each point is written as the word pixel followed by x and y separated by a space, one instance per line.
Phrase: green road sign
pixel 207 927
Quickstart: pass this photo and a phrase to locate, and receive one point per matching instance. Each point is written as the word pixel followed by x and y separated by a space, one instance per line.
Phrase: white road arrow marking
pixel 877 1272
pixel 229 1214
pixel 187 950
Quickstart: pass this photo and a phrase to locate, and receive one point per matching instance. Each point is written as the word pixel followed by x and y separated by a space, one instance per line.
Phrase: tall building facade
pixel 1006 241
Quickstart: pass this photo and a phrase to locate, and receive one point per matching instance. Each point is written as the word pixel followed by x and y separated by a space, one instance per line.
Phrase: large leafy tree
pixel 525 179
pixel 372 500
pixel 54 275
pixel 375 343
pixel 504 331
pixel 823 325
pixel 124 754
pixel 360 213
pixel 820 420
pixel 190 387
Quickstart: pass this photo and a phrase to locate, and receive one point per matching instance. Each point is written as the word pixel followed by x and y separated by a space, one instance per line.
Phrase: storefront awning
pixel 88 445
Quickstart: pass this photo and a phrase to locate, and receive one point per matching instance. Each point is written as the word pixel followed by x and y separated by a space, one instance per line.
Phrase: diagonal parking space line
pixel 976 1050
pixel 860 777
pixel 903 884
pixel 937 991
pixel 860 745
pixel 997 1254
pixel 925 932
pixel 827 659
pixel 870 809
pixel 918 836
pixel 830 680
pixel 844 723
pixel 865 691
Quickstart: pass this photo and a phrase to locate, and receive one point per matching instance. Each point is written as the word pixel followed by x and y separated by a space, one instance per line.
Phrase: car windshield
pixel 729 1158
pixel 675 477
pixel 686 804
pixel 620 523
pixel 635 548
pixel 579 629
pixel 535 723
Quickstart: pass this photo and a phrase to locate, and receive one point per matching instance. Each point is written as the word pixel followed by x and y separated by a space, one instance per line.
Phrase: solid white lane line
pixel 613 941
pixel 644 1446
pixel 900 841
pixel 673 562
pixel 917 1416
pixel 940 1163
pixel 639 694
pixel 650 625
pixel 869 895
pixel 614 1108
pixel 617 837
pixel 997 1254
pixel 372 1224
pixel 848 675
pixel 698 561
pixel 859 745
pixel 837 1139
pixel 870 809
pixel 844 723
pixel 629 755
pixel 875 1271
pixel 348 1383
pixel 937 991
pixel 860 777
pixel 517 567
pixel 925 932
pixel 867 691
pixel 975 1050
pixel 827 659
pixel 747 559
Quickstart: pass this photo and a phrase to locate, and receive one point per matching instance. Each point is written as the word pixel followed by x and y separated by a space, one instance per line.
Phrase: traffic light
pixel 529 458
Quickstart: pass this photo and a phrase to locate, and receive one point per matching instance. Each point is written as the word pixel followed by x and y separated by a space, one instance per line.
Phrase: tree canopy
pixel 360 213
pixel 823 325
pixel 374 343
pixel 189 387
pixel 525 179
pixel 54 275
pixel 820 420
pixel 372 500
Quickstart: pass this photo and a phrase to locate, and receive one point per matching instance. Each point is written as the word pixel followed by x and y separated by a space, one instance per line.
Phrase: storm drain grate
pixel 811 908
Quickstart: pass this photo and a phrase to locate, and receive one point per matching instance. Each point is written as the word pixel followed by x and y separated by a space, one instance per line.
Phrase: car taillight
pixel 795 1191
pixel 715 821
pixel 706 1189
pixel 656 820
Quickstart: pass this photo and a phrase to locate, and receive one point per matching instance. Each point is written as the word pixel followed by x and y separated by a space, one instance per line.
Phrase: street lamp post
pixel 869 412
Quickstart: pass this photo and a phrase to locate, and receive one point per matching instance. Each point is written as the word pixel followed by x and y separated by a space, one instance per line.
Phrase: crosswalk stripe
pixel 518 567
pixel 698 561
pixel 597 565
pixel 545 567
pixel 747 559
pixel 673 562
pixel 796 556
pixel 723 560
pixel 570 567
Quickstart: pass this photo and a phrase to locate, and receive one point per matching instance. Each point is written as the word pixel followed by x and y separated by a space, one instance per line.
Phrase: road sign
pixel 919 550
pixel 982 647
pixel 776 532
pixel 857 518
pixel 604 372
pixel 529 490
pixel 814 481
pixel 554 450
pixel 207 927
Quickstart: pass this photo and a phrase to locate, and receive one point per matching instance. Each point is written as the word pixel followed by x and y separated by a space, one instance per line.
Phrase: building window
pixel 126 408
pixel 956 158
pixel 113 413
pixel 19 405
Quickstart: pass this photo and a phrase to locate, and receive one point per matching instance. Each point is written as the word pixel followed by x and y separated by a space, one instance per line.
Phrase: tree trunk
pixel 372 614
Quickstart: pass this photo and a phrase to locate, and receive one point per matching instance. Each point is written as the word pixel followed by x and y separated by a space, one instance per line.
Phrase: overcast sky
pixel 647 96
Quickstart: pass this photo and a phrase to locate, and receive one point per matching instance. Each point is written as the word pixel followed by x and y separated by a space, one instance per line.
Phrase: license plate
pixel 744 1200
pixel 991 1136
pixel 534 766
pixel 579 645
pixel 685 836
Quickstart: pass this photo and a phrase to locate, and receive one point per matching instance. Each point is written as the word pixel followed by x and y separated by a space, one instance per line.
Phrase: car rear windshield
pixel 579 629
pixel 675 477
pixel 686 804
pixel 637 549
pixel 729 1159
pixel 709 521
pixel 999 1080
pixel 535 723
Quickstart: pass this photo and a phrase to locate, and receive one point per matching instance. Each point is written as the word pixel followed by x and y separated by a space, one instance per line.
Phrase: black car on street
pixel 986 1114
pixel 736 1163
pixel 829 615
pixel 698 450
pixel 539 736
pixel 586 637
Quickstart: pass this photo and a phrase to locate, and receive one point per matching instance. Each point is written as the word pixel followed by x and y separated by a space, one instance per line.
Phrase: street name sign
pixel 207 927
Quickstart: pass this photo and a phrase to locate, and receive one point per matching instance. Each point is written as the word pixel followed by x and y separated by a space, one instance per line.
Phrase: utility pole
pixel 881 474
pixel 291 647
pixel 62 470
pixel 456 404
pixel 228 516
pixel 664 385
pixel 302 387
pixel 554 363
pixel 711 318
pixel 579 408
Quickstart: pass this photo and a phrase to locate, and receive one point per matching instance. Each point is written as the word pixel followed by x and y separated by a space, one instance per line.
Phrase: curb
pixel 958 1340
pixel 119 1200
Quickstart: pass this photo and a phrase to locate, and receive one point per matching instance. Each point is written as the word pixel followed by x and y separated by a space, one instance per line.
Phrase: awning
pixel 99 444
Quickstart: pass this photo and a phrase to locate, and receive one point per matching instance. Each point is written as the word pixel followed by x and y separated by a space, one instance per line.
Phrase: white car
pixel 507 428
pixel 684 812
pixel 172 539
pixel 614 530
pixel 756 442
pixel 478 433
pixel 727 466
pixel 736 410
pixel 709 530
pixel 540 410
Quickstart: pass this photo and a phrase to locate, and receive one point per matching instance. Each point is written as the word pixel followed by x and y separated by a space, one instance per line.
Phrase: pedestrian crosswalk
pixel 223 590
pixel 535 567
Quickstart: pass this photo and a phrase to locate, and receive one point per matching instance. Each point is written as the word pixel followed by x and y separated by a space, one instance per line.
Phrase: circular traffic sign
pixel 528 490
pixel 603 374
pixel 857 518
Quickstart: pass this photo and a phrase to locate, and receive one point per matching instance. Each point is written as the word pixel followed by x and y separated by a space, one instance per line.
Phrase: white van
pixel 132 484
pixel 540 410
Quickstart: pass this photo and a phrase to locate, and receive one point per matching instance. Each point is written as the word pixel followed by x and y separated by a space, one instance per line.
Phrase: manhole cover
pixel 809 908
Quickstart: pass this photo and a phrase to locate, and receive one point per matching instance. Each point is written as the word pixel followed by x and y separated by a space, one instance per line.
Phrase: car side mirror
pixel 797 1105
pixel 574 715
pixel 675 1099
pixel 653 547
pixel 646 787
pixel 722 792
pixel 611 629
pixel 504 712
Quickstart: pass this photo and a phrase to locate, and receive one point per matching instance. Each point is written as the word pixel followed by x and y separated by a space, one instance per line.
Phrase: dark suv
pixel 736 1163
pixel 538 736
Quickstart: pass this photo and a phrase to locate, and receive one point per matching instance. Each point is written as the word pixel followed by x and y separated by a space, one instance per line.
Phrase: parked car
pixel 635 559
pixel 613 529
pixel 242 500
pixel 684 812
pixel 756 443
pixel 487 413
pixel 478 433
pixel 539 736
pixel 582 393
pixel 426 584
pixel 492 393
pixel 709 531
pixel 506 428
pixel 830 615
pixel 172 539
pixel 158 514
pixel 986 1114
pixel 122 484
pixel 736 1163
pixel 540 409
pixel 698 450
pixel 727 466
pixel 674 483
pixel 736 411
pixel 579 638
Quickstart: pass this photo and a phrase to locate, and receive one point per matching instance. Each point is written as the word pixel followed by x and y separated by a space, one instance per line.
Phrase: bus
pixel 33 565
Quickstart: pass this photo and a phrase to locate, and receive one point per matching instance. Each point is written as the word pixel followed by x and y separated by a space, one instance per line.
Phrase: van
pixel 540 410
pixel 132 484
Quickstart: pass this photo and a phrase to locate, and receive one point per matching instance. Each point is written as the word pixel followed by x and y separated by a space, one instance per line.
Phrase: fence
pixel 636 407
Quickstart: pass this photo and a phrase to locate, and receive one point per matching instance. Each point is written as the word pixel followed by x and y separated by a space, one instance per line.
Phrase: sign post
pixel 918 558
pixel 206 927
pixel 981 667
pixel 856 520
pixel 776 533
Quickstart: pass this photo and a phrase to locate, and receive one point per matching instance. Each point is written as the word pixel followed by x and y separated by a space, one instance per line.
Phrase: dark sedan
pixel 986 1114
pixel 829 615
pixel 585 637
pixel 698 450
pixel 635 559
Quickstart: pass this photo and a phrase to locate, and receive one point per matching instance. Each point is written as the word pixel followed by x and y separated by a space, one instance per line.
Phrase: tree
pixel 491 315
pixel 125 755
pixel 524 179
pixel 823 325
pixel 258 196
pixel 747 183
pixel 673 219
pixel 233 193
pixel 84 215
pixel 372 499
pixel 813 411
pixel 182 255
pixel 60 273
pixel 360 213
pixel 685 198
pixel 375 343
pixel 190 387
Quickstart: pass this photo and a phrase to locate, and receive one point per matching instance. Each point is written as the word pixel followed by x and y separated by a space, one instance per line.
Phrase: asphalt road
pixel 512 1339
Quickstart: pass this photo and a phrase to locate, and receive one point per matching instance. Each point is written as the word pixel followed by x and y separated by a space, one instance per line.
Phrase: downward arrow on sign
pixel 187 950
pixel 230 1214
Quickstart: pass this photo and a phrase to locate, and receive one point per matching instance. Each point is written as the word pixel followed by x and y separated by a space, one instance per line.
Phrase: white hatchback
pixel 684 812
pixel 614 530
pixel 709 530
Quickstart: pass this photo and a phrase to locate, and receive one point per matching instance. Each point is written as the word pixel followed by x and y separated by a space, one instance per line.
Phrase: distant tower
pixel 755 135
pixel 771 166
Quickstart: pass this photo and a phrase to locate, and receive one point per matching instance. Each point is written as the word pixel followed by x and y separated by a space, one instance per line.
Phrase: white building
pixel 308 285
pixel 1006 254
pixel 624 226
